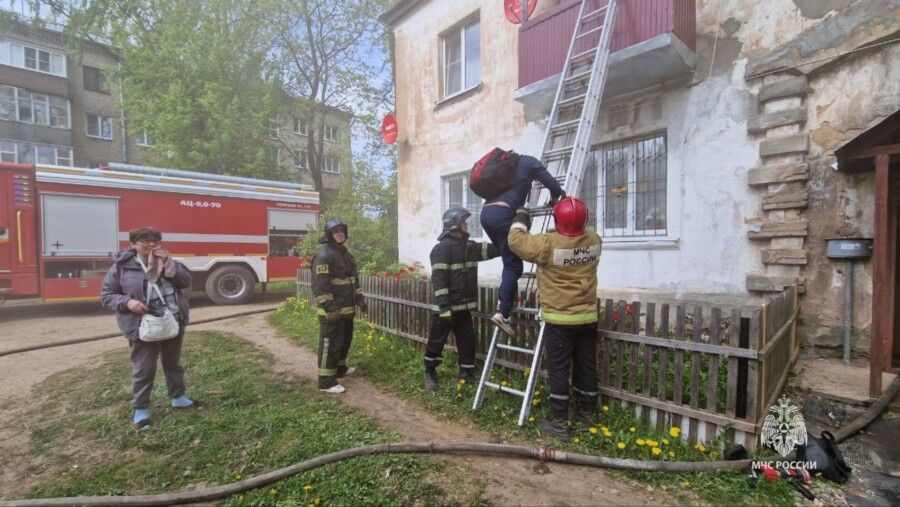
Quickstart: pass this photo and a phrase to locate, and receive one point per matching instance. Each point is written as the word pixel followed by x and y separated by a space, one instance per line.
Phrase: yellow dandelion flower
pixel 656 451
pixel 606 408
pixel 665 441
pixel 576 440
pixel 671 454
pixel 632 429
pixel 700 447
pixel 593 430
pixel 237 477
pixel 273 491
pixel 462 381
pixel 316 501
pixel 652 443
pixel 686 484
pixel 504 383
pixel 531 419
pixel 713 454
pixel 535 402
pixel 640 441
pixel 620 445
pixel 527 371
pixel 307 488
pixel 607 433
pixel 674 432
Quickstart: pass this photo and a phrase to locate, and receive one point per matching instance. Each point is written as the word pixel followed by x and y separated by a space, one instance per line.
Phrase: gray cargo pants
pixel 143 368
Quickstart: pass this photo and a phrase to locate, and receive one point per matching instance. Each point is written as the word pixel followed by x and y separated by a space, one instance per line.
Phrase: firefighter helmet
pixel 333 224
pixel 570 215
pixel 453 217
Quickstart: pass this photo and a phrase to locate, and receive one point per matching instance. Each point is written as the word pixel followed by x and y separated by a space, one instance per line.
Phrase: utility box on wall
pixel 849 248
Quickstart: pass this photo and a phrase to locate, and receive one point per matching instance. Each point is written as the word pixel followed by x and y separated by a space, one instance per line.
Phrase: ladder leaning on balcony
pixel 564 152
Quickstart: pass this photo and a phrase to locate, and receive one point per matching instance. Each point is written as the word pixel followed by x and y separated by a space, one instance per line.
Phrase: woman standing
pixel 125 289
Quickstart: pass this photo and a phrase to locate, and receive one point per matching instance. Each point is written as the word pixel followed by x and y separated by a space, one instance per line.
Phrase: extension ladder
pixel 564 152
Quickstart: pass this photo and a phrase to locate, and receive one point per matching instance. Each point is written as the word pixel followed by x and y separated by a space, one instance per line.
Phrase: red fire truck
pixel 61 226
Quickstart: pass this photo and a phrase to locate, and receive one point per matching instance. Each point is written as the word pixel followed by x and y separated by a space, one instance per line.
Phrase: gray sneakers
pixel 504 323
pixel 335 389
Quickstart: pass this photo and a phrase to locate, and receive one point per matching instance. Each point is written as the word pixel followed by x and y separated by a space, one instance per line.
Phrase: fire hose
pixel 116 335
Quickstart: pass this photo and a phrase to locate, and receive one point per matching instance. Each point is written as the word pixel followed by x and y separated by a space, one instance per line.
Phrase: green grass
pixel 254 420
pixel 395 364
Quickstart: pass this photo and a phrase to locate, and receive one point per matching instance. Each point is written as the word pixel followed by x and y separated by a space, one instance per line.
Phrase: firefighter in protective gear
pixel 454 272
pixel 567 260
pixel 336 289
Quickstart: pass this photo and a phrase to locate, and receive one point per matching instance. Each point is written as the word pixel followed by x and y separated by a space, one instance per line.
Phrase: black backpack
pixel 494 174
pixel 827 457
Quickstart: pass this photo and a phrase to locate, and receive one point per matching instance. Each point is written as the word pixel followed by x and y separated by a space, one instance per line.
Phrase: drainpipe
pixel 122 111
pixel 848 307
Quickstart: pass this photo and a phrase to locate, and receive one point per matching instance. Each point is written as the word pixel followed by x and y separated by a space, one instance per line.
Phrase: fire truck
pixel 60 227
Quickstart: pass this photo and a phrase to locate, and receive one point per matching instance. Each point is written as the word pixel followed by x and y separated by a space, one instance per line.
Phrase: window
pixel 32 58
pixel 462 58
pixel 28 153
pixel 625 188
pixel 299 127
pixel 94 81
pixel 330 164
pixel 300 160
pixel 144 139
pixel 457 194
pixel 8 151
pixel 286 231
pixel 273 128
pixel 331 133
pixel 17 104
pixel 99 126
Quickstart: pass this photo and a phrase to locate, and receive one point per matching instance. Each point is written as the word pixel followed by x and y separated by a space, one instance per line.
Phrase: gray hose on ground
pixel 116 335
pixel 540 453
pixel 869 415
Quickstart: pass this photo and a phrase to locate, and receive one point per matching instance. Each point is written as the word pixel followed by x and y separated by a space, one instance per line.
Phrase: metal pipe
pixel 848 308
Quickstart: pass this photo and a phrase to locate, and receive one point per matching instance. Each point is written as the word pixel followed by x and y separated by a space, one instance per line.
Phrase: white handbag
pixel 153 328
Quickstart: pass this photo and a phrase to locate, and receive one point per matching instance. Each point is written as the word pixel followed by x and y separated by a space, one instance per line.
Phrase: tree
pixel 332 55
pixel 195 75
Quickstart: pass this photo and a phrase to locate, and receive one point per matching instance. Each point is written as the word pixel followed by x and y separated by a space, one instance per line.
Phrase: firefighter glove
pixel 333 316
pixel 523 217
pixel 554 200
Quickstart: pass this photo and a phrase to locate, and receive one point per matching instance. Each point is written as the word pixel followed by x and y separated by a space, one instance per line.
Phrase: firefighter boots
pixel 557 428
pixel 431 383
pixel 468 374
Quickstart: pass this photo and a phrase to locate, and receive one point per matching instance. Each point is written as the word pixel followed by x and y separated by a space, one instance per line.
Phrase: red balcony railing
pixel 544 40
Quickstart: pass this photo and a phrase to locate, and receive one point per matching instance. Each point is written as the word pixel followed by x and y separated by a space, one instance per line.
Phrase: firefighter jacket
pixel 335 280
pixel 454 271
pixel 567 272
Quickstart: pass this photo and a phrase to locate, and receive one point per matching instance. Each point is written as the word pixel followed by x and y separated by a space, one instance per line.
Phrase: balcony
pixel 652 44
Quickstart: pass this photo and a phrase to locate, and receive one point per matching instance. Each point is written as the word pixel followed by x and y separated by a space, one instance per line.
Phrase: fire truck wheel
pixel 230 285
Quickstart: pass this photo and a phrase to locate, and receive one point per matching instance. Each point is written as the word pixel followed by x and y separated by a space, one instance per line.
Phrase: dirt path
pixel 510 481
pixel 39 324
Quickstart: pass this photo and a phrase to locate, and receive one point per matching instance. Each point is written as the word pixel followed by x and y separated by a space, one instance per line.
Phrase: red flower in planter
pixel 628 310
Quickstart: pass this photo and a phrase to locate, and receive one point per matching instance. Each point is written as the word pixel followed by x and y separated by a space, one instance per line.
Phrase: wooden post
pixel 883 290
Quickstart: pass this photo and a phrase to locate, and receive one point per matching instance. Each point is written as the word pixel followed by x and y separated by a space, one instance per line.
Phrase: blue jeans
pixel 496 221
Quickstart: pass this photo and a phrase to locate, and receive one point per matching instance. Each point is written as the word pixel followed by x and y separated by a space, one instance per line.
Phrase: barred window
pixel 625 188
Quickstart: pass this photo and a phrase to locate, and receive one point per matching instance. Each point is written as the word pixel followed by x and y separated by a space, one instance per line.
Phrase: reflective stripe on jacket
pixel 567 272
pixel 454 271
pixel 335 280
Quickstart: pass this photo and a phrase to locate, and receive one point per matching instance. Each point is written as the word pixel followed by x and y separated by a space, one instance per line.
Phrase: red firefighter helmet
pixel 570 215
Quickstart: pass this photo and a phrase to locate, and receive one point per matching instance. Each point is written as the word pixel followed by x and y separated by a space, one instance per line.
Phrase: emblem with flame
pixel 784 428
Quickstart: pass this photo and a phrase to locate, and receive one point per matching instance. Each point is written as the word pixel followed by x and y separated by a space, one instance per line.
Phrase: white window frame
pixel 32 101
pixel 460 30
pixel 144 139
pixel 331 133
pixel 32 149
pixel 100 119
pixel 629 231
pixel 14 152
pixel 331 164
pixel 301 160
pixel 475 230
pixel 12 53
pixel 300 127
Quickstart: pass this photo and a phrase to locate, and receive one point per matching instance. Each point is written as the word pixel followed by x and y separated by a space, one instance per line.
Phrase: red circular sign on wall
pixel 389 129
pixel 513 9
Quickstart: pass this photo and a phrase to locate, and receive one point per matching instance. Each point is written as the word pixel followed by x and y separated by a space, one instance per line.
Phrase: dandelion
pixel 713 454
pixel 237 477
pixel 674 432
pixel 632 429
pixel 640 441
pixel 462 381
pixel 531 419
pixel 241 498
pixel 307 488
pixel 316 501
pixel 652 443
pixel 273 491
pixel 593 430
pixel 656 451
pixel 606 408
pixel 671 454
pixel 620 445
pixel 700 447
pixel 686 484
pixel 665 441
pixel 527 371
pixel 607 433
pixel 535 402
pixel 576 440
pixel 504 383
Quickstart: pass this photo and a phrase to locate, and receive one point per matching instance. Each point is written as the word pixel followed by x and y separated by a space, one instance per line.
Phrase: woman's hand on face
pixel 137 307
pixel 161 253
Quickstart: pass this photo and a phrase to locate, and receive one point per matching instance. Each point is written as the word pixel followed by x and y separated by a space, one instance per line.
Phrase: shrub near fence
pixel 704 368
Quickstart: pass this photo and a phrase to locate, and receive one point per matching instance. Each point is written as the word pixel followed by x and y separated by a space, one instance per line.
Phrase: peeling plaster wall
pixel 707 249
pixel 846 100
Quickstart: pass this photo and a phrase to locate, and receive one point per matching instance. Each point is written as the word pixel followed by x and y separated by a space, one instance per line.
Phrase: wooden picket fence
pixel 705 368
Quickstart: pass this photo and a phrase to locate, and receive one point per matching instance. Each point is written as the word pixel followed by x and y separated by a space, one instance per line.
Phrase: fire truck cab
pixel 60 227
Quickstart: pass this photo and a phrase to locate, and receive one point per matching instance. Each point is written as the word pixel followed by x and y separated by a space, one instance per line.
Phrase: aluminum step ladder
pixel 564 152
